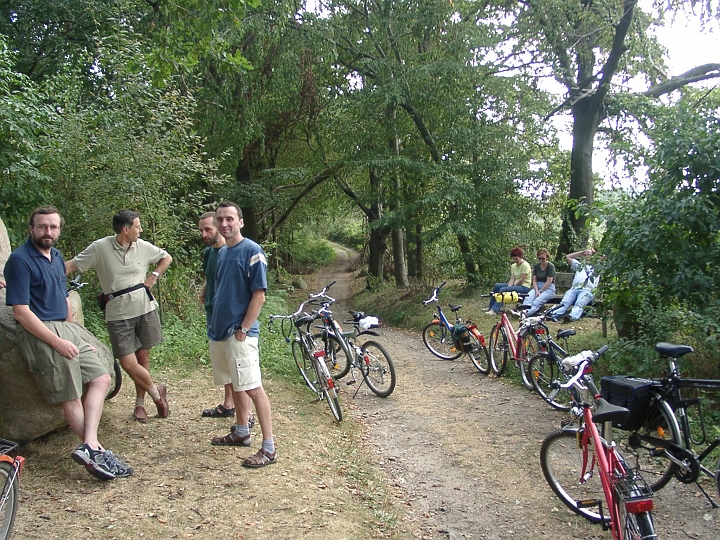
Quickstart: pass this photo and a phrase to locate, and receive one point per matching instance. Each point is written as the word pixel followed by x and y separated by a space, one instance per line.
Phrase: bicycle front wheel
pixel 327 386
pixel 531 347
pixel 561 460
pixel 378 369
pixel 479 354
pixel 7 512
pixel 659 423
pixel 498 349
pixel 438 340
pixel 544 371
pixel 304 363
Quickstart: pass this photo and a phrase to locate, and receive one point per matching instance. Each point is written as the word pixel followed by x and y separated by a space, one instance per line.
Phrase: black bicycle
pixel 11 467
pixel 666 426
pixel 313 354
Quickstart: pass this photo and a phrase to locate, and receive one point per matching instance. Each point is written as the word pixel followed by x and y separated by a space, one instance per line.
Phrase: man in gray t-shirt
pixel 122 262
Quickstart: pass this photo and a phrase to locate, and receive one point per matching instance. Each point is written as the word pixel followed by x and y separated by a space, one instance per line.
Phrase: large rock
pixel 24 414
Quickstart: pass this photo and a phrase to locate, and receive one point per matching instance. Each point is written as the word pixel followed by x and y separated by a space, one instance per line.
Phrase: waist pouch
pixel 103 299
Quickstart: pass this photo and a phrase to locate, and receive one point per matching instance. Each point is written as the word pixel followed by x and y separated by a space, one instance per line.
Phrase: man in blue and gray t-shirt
pixel 240 285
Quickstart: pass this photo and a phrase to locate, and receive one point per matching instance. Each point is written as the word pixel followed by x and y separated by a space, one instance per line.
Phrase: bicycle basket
pixel 461 337
pixel 630 392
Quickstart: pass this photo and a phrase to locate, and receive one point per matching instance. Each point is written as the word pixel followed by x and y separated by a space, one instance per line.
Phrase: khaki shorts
pixel 236 362
pixel 129 335
pixel 58 378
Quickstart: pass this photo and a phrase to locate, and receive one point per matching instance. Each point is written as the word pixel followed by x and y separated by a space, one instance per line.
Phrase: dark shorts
pixel 58 378
pixel 129 335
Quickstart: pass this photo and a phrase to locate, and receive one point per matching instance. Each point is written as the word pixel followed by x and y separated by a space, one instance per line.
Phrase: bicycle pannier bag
pixel 461 337
pixel 633 393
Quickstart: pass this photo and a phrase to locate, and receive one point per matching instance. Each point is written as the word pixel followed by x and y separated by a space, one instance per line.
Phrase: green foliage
pixel 23 118
pixel 663 247
pixel 304 251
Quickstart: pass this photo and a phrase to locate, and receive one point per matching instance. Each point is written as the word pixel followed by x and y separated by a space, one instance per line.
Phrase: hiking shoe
pixel 117 467
pixel 81 454
pixel 94 461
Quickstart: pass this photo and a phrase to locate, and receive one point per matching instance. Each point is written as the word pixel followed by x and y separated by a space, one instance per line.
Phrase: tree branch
pixel 699 73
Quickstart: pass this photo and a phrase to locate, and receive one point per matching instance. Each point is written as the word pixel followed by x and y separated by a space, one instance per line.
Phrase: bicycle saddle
pixel 562 334
pixel 606 412
pixel 302 321
pixel 670 350
pixel 454 307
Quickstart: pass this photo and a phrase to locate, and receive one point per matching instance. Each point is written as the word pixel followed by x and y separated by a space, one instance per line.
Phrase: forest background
pixel 416 131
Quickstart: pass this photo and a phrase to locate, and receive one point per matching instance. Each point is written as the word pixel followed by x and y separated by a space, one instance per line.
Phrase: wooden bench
pixel 563 282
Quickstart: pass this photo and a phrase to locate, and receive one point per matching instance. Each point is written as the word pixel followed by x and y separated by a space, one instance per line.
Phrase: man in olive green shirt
pixel 122 262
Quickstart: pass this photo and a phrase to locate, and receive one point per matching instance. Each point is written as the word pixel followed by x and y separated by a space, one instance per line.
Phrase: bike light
pixel 661 432
pixel 331 383
pixel 319 354
pixel 639 506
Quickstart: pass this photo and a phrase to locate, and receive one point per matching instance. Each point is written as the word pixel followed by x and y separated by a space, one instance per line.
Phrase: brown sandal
pixel 231 439
pixel 260 459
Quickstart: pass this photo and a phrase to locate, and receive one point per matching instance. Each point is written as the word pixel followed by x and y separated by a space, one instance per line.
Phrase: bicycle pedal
pixel 348 383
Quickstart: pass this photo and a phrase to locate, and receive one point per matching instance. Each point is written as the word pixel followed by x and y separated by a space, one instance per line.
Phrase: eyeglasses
pixel 542 258
pixel 53 228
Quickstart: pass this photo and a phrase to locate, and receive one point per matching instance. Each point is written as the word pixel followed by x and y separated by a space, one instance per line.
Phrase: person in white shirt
pixel 582 291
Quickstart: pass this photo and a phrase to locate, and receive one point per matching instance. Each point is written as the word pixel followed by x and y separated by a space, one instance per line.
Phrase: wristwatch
pixel 244 330
pixel 156 274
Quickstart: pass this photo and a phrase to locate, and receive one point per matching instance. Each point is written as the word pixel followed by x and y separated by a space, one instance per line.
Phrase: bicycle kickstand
pixel 707 496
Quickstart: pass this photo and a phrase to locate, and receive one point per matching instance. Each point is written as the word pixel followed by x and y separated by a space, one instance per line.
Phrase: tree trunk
pixel 243 176
pixel 585 123
pixel 466 253
pixel 414 252
pixel 377 248
pixel 398 237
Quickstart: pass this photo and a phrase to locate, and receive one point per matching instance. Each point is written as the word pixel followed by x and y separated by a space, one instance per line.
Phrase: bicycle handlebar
pixel 434 297
pixel 581 361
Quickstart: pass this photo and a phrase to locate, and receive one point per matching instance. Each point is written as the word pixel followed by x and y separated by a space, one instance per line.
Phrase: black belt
pixel 112 295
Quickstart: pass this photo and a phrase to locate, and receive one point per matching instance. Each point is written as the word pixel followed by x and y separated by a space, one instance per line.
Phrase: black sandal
pixel 218 412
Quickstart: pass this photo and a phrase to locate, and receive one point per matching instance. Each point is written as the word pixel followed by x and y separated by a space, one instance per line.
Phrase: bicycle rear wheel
pixel 561 460
pixel 638 525
pixel 438 340
pixel 336 358
pixel 7 512
pixel 544 371
pixel 378 369
pixel 479 354
pixel 498 349
pixel 659 423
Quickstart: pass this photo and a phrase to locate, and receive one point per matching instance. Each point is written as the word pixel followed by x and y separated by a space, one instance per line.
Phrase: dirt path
pixel 465 449
pixel 450 454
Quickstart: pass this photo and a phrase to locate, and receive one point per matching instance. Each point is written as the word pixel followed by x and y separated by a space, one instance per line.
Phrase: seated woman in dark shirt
pixel 543 286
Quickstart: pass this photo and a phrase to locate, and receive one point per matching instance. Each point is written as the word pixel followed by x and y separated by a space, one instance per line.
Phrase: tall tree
pixel 591 46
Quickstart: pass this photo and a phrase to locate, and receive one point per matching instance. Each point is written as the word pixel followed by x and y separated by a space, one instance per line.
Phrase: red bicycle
pixel 11 467
pixel 583 469
pixel 521 344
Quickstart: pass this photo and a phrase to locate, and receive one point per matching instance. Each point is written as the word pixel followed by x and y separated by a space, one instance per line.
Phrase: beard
pixel 212 241
pixel 43 242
